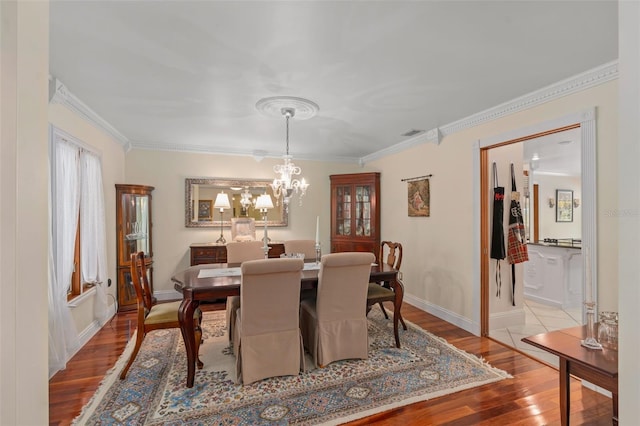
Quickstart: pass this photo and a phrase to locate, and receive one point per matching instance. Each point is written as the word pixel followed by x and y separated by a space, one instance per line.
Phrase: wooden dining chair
pixel 334 324
pixel 238 252
pixel 267 340
pixel 154 316
pixel 381 292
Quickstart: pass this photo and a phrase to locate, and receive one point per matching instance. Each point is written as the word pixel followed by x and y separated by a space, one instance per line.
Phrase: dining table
pixel 214 281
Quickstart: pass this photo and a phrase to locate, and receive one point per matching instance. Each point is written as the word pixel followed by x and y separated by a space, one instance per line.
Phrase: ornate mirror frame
pixel 276 217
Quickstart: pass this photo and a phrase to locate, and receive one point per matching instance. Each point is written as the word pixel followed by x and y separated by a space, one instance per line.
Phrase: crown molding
pixel 577 83
pixel 596 76
pixel 258 155
pixel 59 94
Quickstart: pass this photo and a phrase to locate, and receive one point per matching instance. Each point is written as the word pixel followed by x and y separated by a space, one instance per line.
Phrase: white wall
pixel 549 228
pixel 438 260
pixel 166 171
pixel 112 155
pixel 628 211
pixel 24 37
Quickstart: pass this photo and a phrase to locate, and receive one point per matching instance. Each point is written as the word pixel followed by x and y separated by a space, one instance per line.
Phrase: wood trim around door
pixel 484 242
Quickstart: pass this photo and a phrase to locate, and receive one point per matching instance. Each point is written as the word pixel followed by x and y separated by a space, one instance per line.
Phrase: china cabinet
pixel 355 212
pixel 133 234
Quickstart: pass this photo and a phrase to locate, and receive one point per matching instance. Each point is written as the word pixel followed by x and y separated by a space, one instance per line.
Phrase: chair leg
pixel 383 310
pixel 403 324
pixel 139 338
pixel 198 336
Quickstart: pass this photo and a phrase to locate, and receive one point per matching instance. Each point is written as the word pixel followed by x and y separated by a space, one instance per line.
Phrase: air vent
pixel 413 132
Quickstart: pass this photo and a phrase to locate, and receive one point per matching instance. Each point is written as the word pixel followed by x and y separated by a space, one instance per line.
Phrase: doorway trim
pixel 586 120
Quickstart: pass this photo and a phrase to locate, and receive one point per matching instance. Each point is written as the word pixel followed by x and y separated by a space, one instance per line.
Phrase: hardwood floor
pixel 530 398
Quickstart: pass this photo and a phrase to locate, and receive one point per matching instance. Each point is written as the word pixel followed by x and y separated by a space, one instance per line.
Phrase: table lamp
pixel 222 202
pixel 264 203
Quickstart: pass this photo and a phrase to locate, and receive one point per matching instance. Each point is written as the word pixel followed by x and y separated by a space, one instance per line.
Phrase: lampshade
pixel 222 201
pixel 264 202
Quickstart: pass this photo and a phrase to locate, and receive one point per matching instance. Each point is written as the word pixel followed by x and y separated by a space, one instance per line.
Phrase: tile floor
pixel 539 319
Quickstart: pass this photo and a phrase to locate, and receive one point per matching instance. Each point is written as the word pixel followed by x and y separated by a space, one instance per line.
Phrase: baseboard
pixel 544 301
pixel 444 314
pixel 595 388
pixel 500 320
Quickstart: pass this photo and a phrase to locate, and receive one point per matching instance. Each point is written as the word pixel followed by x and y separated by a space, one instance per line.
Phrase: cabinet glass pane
pixel 343 213
pixel 135 220
pixel 363 211
pixel 128 288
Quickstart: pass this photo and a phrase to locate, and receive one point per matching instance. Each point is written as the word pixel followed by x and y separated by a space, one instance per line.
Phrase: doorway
pixel 584 123
pixel 548 287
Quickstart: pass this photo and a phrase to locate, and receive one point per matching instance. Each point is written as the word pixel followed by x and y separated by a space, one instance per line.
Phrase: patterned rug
pixel 154 392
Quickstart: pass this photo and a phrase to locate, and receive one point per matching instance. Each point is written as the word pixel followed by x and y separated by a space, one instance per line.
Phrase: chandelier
pixel 246 199
pixel 288 183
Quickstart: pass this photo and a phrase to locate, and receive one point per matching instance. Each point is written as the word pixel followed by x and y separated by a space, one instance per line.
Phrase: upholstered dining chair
pixel 154 316
pixel 267 340
pixel 334 324
pixel 238 252
pixel 307 247
pixel 378 293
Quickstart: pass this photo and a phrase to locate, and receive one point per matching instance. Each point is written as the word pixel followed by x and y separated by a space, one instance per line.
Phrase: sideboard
pixel 217 253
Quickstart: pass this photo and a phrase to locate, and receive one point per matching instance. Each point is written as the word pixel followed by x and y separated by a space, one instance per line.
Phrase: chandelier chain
pixel 287 116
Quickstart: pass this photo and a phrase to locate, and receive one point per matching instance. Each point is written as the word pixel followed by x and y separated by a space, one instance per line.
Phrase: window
pixel 77 215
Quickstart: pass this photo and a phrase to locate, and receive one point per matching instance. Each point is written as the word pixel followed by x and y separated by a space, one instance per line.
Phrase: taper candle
pixel 317 229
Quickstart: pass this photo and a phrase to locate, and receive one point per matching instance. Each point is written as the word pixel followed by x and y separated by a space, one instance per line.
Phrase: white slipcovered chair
pixel 267 340
pixel 334 324
pixel 238 252
pixel 307 247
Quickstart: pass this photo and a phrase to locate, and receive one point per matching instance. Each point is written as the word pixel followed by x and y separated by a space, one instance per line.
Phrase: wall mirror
pixel 200 198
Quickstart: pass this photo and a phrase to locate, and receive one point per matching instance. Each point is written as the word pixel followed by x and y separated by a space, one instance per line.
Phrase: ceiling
pixel 186 75
pixel 557 154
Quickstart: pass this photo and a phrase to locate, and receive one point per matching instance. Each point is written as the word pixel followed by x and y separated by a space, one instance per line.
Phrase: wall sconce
pixel 552 202
pixel 576 202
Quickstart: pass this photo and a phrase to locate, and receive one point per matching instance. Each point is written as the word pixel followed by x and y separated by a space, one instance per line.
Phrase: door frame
pixel 586 121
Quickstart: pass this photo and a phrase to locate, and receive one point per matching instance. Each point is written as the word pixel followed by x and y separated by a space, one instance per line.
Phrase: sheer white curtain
pixel 65 190
pixel 93 241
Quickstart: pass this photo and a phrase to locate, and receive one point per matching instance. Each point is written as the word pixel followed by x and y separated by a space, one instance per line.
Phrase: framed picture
pixel 418 198
pixel 564 205
pixel 204 209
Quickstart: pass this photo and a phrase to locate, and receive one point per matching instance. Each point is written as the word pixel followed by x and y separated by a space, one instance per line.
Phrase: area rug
pixel 154 391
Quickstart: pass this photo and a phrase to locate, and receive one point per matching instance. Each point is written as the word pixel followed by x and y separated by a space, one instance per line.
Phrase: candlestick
pixel 317 230
pixel 590 339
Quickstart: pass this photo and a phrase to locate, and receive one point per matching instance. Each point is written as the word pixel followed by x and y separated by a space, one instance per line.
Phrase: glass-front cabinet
pixel 134 225
pixel 355 212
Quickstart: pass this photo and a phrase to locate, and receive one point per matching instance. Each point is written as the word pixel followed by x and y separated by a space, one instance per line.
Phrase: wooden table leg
pixel 565 391
pixel 615 408
pixel 185 316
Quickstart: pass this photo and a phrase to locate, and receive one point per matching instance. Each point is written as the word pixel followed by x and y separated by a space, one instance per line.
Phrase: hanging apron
pixel 517 244
pixel 497 229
